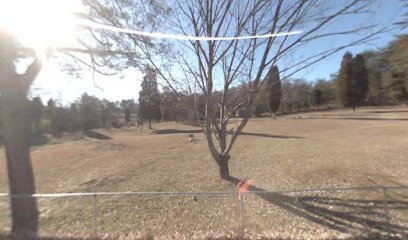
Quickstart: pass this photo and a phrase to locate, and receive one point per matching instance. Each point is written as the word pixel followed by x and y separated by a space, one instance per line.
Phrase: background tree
pixel 260 102
pixel 128 106
pixel 90 107
pixel 274 90
pixel 317 97
pixel 37 112
pixel 352 81
pixel 109 111
pixel 51 113
pixel 322 93
pixel 377 65
pixel 395 76
pixel 149 97
pixel 360 78
pixel 300 94
pixel 176 106
pixel 345 87
pixel 74 118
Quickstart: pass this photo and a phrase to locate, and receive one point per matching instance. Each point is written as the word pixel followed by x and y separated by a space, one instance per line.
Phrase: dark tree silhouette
pixel 51 114
pixel 360 78
pixel 352 81
pixel 149 97
pixel 17 127
pixel 37 112
pixel 274 90
pixel 345 81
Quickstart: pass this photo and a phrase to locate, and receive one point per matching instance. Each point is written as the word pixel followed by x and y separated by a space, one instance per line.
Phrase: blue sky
pixel 56 84
pixel 385 13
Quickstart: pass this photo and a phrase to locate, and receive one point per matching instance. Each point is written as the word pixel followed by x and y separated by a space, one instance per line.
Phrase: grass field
pixel 320 150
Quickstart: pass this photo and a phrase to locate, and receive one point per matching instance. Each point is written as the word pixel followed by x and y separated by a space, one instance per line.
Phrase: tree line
pixel 370 78
pixel 378 77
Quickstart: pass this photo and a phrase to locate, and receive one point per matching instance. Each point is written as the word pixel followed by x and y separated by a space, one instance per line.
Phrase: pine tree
pixel 51 110
pixel 149 97
pixel 360 79
pixel 274 90
pixel 345 81
pixel 36 112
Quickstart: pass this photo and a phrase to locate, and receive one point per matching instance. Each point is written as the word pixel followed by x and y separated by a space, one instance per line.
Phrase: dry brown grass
pixel 330 149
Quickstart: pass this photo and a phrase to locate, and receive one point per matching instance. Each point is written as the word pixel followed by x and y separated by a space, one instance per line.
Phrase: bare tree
pixel 247 62
pixel 236 67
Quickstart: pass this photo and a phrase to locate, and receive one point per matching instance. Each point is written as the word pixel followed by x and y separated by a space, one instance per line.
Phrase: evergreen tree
pixel 345 81
pixel 395 77
pixel 36 112
pixel 149 97
pixel 51 110
pixel 352 81
pixel 274 90
pixel 360 79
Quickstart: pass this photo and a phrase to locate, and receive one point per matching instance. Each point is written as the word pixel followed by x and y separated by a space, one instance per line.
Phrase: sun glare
pixel 40 24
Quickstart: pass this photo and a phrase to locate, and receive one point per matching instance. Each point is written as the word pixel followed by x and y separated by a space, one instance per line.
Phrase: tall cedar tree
pixel 274 90
pixel 36 112
pixel 51 110
pixel 352 82
pixel 360 80
pixel 344 81
pixel 149 97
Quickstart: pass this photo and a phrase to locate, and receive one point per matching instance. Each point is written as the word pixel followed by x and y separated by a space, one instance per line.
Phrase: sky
pixel 52 82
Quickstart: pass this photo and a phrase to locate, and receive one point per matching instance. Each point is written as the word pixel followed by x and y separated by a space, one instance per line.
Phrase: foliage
pixel 274 89
pixel 89 112
pixel 176 106
pixel 37 109
pixel 149 97
pixel 352 81
pixel 396 75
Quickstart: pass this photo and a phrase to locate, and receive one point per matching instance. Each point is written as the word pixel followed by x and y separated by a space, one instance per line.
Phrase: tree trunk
pixel 223 164
pixel 150 124
pixel 17 126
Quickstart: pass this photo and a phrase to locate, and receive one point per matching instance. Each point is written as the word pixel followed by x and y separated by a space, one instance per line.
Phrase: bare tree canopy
pixel 236 67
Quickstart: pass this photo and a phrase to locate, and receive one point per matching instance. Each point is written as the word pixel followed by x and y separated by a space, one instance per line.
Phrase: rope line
pixel 182 37
pixel 85 194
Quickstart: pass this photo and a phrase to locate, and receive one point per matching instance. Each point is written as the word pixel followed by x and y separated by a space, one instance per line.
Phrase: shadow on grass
pixel 342 214
pixel 96 135
pixel 392 111
pixel 269 135
pixel 361 119
pixel 8 237
pixel 176 131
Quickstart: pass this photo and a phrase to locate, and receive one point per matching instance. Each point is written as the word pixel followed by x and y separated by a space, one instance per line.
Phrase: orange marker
pixel 243 187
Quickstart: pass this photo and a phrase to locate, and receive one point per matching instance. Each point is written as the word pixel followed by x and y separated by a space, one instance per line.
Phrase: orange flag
pixel 243 187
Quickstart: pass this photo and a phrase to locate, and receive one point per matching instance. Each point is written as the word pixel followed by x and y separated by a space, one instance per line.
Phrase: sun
pixel 40 24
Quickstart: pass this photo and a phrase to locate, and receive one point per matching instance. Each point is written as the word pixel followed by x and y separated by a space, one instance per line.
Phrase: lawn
pixel 335 149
